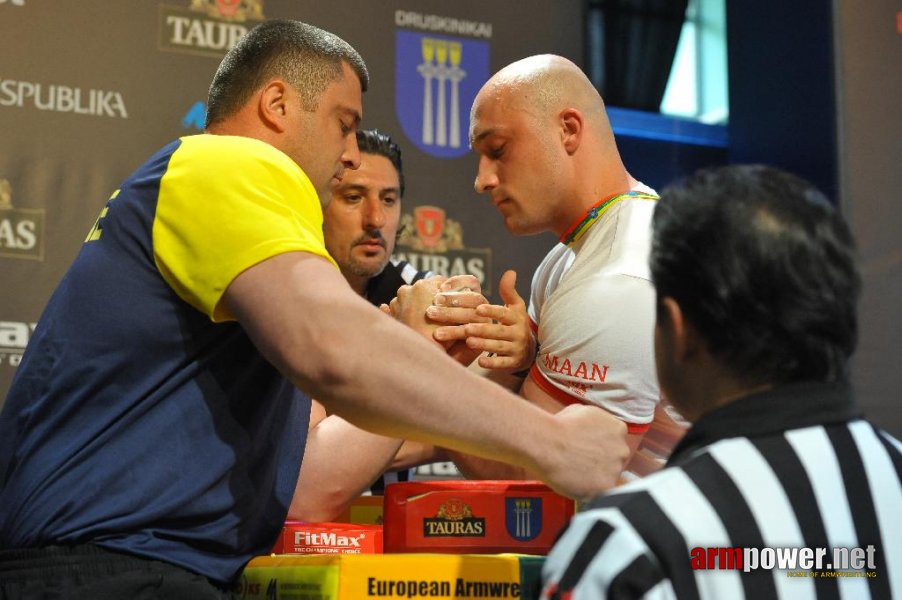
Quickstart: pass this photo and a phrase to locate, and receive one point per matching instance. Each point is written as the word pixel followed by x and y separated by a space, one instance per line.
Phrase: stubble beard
pixel 359 269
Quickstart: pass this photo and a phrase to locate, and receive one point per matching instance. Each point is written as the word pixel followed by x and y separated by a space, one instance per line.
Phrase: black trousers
pixel 91 572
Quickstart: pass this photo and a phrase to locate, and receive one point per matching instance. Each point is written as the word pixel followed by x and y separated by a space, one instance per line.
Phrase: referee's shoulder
pixel 635 496
pixel 893 445
pixel 604 550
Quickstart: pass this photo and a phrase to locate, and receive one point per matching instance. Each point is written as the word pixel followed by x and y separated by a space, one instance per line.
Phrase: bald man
pixel 548 162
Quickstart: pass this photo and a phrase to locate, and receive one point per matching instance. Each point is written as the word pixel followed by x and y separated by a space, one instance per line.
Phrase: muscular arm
pixel 413 454
pixel 307 322
pixel 340 463
pixel 474 467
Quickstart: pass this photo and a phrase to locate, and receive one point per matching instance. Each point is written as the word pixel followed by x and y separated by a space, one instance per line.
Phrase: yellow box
pixel 365 510
pixel 361 576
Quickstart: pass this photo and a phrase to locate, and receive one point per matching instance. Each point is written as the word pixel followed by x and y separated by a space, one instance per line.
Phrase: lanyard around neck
pixel 578 229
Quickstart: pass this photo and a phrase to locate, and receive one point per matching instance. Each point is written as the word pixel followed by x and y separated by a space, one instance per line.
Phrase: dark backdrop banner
pixel 89 89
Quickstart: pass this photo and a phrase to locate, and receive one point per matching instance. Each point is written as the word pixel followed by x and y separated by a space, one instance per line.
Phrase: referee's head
pixel 760 269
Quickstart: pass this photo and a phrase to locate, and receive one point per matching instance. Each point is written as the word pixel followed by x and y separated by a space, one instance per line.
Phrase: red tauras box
pixel 477 517
pixel 329 538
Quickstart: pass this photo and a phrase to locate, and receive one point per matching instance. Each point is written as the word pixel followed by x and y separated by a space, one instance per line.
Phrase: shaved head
pixel 542 86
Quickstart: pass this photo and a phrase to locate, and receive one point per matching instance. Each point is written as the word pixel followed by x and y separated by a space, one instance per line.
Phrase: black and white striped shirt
pixel 753 481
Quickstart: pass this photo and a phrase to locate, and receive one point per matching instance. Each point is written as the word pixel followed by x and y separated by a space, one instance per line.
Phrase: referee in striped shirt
pixel 780 489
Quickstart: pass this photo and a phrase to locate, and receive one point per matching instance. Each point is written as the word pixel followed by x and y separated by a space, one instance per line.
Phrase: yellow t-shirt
pixel 225 204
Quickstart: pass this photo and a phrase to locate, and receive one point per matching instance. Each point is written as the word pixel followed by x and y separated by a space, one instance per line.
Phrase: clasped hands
pixel 454 313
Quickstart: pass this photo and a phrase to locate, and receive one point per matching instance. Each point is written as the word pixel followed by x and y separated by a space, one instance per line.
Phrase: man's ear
pixel 273 104
pixel 571 123
pixel 684 339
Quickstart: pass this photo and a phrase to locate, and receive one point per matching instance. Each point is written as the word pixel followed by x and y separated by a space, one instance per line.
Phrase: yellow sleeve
pixel 225 204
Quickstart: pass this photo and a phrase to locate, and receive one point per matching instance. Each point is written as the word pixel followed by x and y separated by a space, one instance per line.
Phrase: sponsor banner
pixel 62 98
pixel 523 517
pixel 439 24
pixel 473 516
pixel 207 27
pixel 14 336
pixel 329 538
pixel 454 518
pixel 21 229
pixel 196 116
pixel 437 78
pixel 356 576
pixel 431 242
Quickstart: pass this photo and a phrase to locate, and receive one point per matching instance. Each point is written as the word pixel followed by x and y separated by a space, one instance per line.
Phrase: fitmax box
pixel 328 538
pixel 476 517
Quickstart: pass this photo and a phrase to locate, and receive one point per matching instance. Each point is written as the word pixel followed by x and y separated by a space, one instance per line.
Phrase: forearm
pixel 413 454
pixel 505 379
pixel 340 462
pixel 421 394
pixel 474 467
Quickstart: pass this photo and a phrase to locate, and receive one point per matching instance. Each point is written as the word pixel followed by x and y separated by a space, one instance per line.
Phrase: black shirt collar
pixel 787 407
pixel 382 288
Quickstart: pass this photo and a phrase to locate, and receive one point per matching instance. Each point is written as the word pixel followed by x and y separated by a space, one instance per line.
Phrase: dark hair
pixel 764 268
pixel 306 57
pixel 373 141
